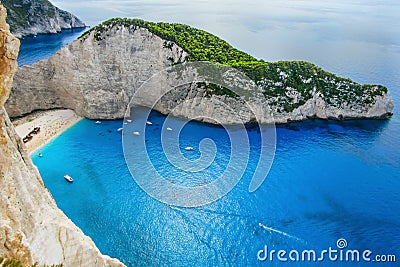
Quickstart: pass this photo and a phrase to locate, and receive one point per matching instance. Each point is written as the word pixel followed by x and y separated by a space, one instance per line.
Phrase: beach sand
pixel 52 123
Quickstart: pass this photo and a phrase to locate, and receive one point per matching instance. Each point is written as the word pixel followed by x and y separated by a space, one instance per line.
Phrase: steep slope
pixel 98 74
pixel 32 228
pixel 31 17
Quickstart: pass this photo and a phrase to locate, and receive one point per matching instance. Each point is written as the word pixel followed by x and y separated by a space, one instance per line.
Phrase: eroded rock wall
pixel 32 228
pixel 98 74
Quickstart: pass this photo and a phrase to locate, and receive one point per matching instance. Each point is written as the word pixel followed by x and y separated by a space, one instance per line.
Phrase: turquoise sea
pixel 329 180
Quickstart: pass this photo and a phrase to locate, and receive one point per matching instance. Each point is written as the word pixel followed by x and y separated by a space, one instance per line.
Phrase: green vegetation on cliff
pixel 30 17
pixel 286 84
pixel 20 10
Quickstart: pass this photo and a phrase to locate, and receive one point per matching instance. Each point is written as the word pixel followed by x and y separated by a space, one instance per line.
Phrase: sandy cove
pixel 52 123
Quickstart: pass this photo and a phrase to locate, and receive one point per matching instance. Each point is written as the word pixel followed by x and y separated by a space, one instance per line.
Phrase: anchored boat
pixel 68 178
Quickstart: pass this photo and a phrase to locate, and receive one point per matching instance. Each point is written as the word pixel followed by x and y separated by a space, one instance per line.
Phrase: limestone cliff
pixel 31 17
pixel 32 228
pixel 98 74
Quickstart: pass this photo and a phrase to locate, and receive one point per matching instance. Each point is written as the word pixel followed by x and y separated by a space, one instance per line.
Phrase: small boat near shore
pixel 68 178
pixel 188 148
pixel 149 123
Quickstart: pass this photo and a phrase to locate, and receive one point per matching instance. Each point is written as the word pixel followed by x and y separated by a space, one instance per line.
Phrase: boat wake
pixel 270 229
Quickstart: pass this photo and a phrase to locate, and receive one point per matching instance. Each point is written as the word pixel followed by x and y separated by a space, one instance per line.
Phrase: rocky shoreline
pixel 32 17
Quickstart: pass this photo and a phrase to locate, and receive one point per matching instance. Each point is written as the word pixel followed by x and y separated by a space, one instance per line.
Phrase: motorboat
pixel 149 123
pixel 68 178
pixel 188 148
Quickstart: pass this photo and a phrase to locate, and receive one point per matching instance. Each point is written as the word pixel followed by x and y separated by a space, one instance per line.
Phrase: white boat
pixel 149 123
pixel 120 129
pixel 129 120
pixel 68 178
pixel 98 122
pixel 136 133
pixel 169 129
pixel 188 148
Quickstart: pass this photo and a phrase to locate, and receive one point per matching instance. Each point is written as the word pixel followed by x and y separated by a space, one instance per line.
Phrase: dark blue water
pixel 45 45
pixel 329 180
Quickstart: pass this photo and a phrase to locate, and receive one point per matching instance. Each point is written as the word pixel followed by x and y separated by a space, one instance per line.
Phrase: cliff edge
pixel 31 17
pixel 32 228
pixel 98 74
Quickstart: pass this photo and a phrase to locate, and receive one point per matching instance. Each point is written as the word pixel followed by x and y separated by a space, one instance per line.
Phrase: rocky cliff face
pixel 95 78
pixel 98 74
pixel 31 17
pixel 32 228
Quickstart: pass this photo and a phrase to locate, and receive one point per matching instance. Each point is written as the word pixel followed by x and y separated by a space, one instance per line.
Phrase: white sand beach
pixel 52 123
